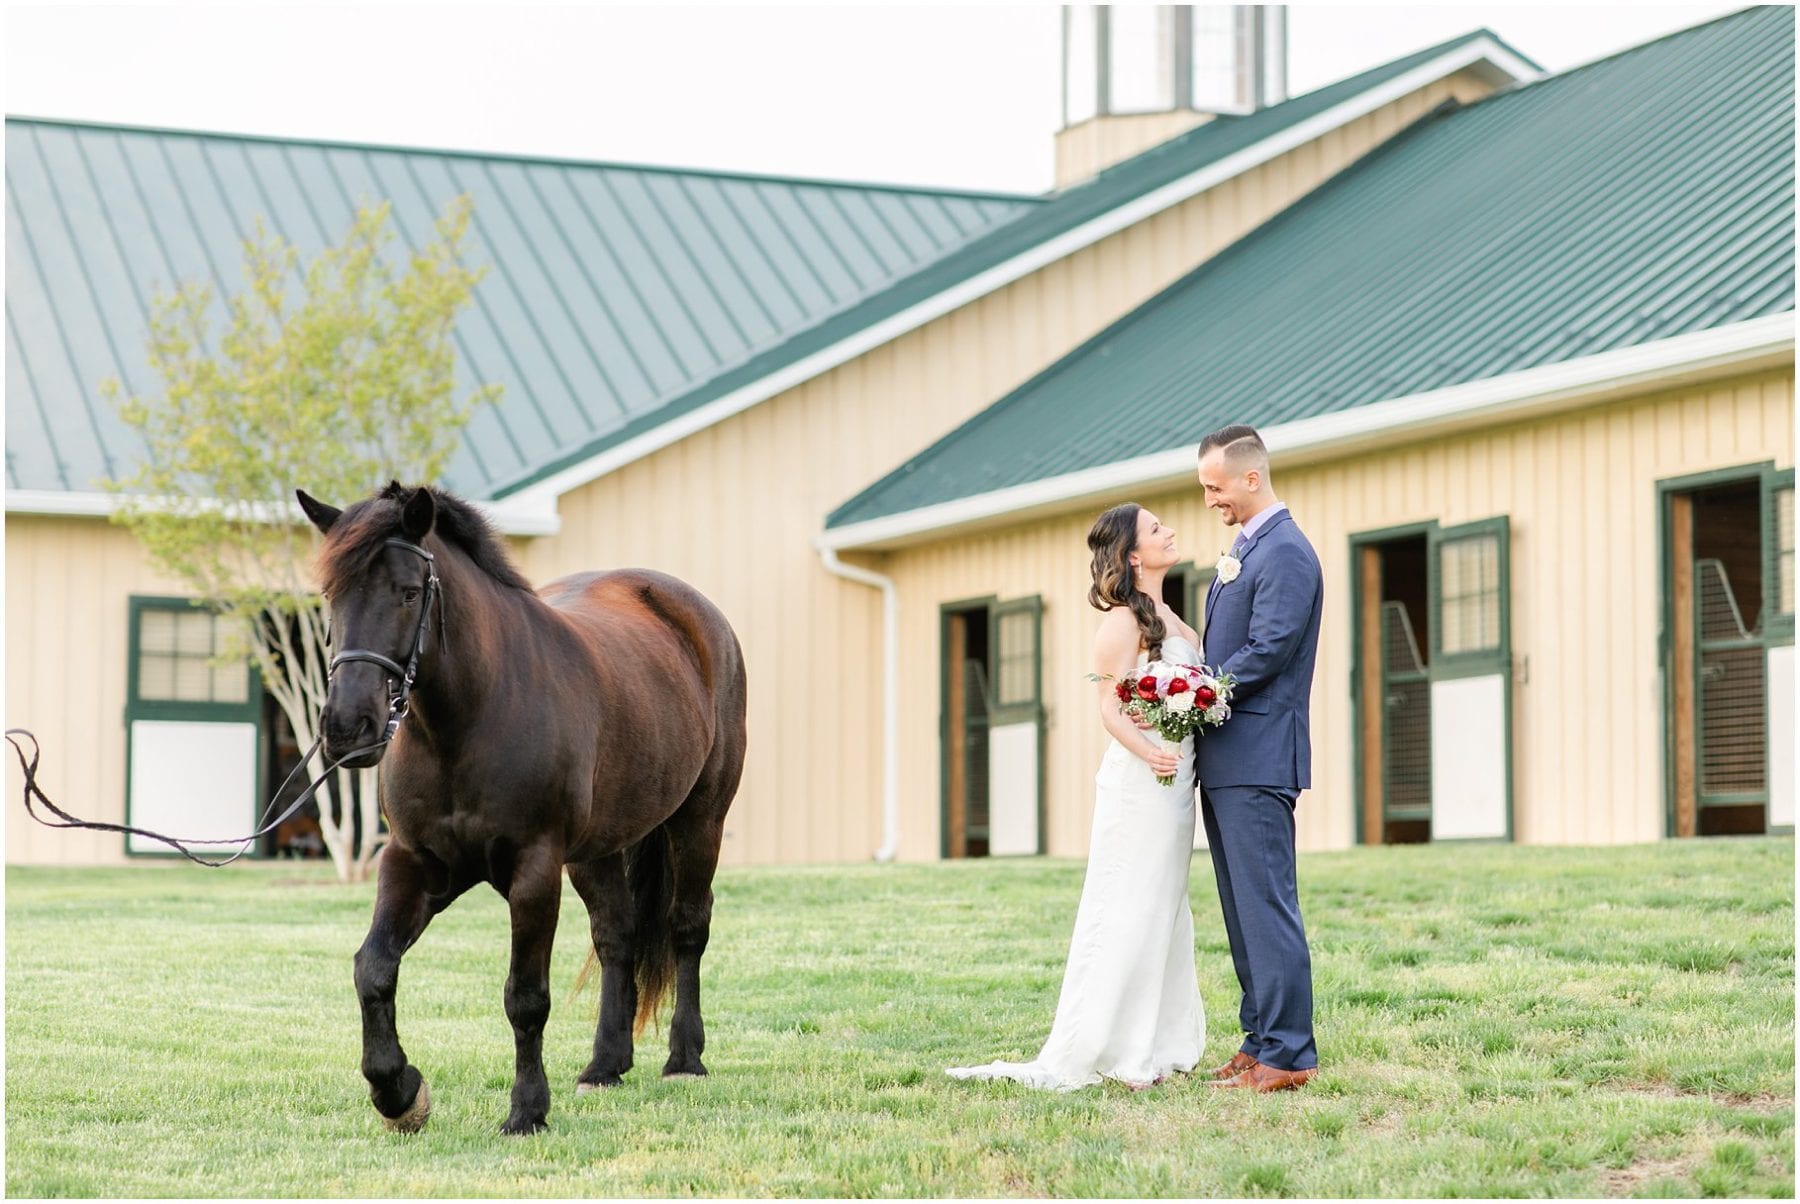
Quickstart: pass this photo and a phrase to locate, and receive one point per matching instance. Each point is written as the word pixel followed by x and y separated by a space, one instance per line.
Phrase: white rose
pixel 1180 704
pixel 1228 568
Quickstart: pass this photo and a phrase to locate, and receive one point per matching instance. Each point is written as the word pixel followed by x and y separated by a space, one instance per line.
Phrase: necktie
pixel 1237 546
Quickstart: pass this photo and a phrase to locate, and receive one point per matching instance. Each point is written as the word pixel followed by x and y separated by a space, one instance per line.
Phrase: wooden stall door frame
pixel 1680 685
pixel 947 613
pixel 1358 760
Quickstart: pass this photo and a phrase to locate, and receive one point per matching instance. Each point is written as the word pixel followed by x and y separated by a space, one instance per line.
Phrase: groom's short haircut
pixel 1243 448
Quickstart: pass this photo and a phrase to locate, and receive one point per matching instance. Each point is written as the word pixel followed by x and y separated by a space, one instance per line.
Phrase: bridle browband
pixel 401 678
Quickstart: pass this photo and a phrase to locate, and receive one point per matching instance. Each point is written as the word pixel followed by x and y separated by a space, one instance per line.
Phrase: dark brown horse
pixel 597 724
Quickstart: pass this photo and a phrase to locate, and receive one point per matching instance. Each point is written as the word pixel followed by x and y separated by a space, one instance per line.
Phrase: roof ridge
pixel 1634 48
pixel 1352 84
pixel 974 194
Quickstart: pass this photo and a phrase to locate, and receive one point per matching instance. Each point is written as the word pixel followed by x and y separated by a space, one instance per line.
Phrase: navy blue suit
pixel 1263 629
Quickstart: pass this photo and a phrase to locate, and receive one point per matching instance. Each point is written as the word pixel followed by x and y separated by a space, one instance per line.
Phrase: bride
pixel 1130 1007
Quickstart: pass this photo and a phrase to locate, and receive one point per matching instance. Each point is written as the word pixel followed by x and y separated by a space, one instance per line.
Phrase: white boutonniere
pixel 1228 568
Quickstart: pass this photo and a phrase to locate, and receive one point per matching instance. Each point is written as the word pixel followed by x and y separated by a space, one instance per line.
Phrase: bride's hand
pixel 1137 717
pixel 1162 762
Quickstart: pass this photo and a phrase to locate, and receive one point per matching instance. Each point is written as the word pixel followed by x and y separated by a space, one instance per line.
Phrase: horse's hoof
pixel 414 1118
pixel 585 1088
pixel 524 1128
pixel 683 1074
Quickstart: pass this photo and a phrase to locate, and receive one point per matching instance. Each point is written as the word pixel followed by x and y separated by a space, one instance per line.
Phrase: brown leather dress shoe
pixel 1267 1078
pixel 1240 1062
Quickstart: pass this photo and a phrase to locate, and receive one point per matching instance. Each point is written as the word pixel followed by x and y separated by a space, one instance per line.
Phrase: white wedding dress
pixel 1130 1007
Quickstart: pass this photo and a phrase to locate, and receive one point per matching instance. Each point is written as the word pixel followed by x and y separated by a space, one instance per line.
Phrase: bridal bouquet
pixel 1177 700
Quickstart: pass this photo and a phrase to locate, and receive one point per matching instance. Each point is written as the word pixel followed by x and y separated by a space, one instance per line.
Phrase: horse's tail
pixel 650 878
pixel 650 875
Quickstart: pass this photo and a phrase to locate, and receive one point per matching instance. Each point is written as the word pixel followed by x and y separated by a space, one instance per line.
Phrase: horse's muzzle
pixel 353 735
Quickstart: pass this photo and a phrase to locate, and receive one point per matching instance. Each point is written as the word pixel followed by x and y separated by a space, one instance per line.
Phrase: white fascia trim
pixel 1486 50
pixel 507 517
pixel 1667 363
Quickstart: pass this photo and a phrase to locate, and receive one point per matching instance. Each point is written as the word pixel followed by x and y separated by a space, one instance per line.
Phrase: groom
pixel 1262 627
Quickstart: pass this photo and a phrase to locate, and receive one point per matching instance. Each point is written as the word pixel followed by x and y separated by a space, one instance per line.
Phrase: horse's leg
pixel 601 885
pixel 402 909
pixel 533 896
pixel 694 848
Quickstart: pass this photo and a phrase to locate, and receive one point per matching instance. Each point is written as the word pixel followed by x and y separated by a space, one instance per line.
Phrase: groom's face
pixel 1231 493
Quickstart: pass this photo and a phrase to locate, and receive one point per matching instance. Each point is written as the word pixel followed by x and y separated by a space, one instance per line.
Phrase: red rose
pixel 1124 692
pixel 1178 686
pixel 1206 696
pixel 1147 688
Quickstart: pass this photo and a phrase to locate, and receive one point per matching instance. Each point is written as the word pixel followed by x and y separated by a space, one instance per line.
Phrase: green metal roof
pixel 1124 182
pixel 1645 196
pixel 612 289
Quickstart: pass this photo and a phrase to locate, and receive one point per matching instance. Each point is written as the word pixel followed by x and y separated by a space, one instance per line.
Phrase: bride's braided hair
pixel 1112 541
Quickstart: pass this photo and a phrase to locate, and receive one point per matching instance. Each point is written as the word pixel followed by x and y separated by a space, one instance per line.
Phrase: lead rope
pixel 178 843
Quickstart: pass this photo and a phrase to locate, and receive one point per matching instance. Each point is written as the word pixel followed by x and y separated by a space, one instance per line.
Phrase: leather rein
pixel 400 679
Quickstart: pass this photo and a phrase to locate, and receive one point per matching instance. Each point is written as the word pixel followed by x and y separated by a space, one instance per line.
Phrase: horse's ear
pixel 417 516
pixel 322 516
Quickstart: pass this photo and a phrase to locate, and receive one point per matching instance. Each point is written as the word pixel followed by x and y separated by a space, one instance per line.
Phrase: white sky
pixel 956 96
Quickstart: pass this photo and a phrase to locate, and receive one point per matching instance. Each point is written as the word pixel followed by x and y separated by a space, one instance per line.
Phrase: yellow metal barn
pixel 1521 346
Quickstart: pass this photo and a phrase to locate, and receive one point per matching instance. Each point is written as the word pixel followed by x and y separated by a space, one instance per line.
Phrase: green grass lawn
pixel 1492 1020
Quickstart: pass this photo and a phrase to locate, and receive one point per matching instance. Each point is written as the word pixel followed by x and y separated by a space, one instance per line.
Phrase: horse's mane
pixel 361 532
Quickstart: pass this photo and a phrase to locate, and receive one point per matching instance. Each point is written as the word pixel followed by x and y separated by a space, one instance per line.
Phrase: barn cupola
pixel 1134 75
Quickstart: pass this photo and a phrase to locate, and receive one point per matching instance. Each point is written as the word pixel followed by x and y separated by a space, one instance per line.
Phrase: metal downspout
pixel 890 695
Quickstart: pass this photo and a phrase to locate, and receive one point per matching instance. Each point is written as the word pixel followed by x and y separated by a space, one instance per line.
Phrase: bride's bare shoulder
pixel 1118 628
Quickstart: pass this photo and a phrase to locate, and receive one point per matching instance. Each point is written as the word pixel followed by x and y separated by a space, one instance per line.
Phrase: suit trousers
pixel 1250 833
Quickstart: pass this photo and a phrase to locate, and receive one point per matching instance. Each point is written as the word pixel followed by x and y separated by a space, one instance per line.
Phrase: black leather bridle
pixel 400 678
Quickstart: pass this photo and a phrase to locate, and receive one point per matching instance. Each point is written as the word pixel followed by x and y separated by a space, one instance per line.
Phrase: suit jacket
pixel 1263 629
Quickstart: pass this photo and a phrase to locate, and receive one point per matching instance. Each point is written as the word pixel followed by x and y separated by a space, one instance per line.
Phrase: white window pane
pixel 1215 64
pixel 156 676
pixel 1450 570
pixel 156 631
pixel 1140 58
pixel 1784 536
pixel 1081 51
pixel 230 683
pixel 193 680
pixel 194 633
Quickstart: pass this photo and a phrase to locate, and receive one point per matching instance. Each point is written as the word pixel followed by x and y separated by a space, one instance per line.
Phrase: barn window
pixel 1470 572
pixel 176 647
pixel 1017 631
pixel 1784 551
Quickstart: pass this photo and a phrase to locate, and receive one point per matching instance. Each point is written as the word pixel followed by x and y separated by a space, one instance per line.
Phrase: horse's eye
pixel 410 595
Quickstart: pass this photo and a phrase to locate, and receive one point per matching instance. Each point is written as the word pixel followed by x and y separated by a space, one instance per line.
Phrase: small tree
pixel 334 378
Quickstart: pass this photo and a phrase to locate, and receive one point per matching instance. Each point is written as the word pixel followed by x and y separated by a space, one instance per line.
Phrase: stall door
pixel 1471 682
pixel 192 728
pixel 1778 587
pixel 1016 730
